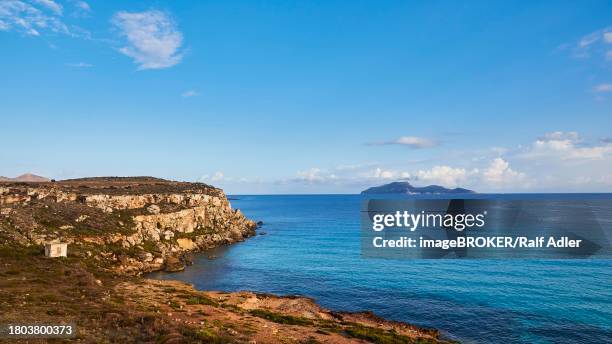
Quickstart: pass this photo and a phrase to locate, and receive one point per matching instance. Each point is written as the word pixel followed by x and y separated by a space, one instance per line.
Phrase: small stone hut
pixel 53 250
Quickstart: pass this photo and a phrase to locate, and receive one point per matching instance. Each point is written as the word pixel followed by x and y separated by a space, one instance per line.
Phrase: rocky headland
pixel 120 228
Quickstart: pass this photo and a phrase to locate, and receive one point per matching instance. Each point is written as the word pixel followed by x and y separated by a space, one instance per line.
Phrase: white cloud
pixel 603 88
pixel 80 9
pixel 416 142
pixel 79 65
pixel 560 135
pixel 51 5
pixel 190 93
pixel 218 176
pixel 315 175
pixel 558 161
pixel 357 175
pixel 380 173
pixel 410 141
pixel 499 173
pixel 589 39
pixel 83 6
pixel 153 40
pixel 596 42
pixel 31 20
pixel 443 175
pixel 565 146
pixel 564 161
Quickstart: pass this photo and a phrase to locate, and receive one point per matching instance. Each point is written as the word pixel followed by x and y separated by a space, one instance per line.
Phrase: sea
pixel 311 247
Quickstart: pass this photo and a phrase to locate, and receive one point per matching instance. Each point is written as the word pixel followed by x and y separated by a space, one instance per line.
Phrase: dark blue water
pixel 312 248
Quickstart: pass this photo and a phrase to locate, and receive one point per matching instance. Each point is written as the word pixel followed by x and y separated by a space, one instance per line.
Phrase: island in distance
pixel 404 188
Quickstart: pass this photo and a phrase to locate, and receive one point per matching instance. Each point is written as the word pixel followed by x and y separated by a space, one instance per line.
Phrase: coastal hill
pixel 404 188
pixel 118 229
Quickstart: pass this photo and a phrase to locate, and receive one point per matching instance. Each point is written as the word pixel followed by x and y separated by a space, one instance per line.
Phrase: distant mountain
pixel 405 188
pixel 27 177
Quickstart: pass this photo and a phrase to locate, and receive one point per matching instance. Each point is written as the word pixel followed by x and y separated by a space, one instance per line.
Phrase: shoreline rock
pixel 143 222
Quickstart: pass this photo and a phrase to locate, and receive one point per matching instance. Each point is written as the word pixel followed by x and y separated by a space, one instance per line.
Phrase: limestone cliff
pixel 134 224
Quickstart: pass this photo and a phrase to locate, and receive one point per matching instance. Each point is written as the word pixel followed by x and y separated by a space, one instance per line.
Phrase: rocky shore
pixel 131 225
pixel 119 228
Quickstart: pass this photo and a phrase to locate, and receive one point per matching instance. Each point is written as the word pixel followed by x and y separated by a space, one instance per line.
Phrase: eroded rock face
pixel 209 224
pixel 137 232
pixel 21 194
pixel 104 201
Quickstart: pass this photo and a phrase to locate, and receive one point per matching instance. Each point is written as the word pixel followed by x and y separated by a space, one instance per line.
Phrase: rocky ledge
pixel 120 228
pixel 131 225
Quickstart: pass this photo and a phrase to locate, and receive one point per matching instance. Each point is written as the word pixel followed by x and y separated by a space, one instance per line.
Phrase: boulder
pixel 153 209
pixel 186 244
pixel 174 264
pixel 146 256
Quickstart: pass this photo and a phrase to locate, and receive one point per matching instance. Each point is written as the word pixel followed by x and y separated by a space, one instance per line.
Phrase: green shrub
pixel 280 318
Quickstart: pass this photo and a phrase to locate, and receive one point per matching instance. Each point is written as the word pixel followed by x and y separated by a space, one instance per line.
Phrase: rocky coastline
pixel 133 228
pixel 117 229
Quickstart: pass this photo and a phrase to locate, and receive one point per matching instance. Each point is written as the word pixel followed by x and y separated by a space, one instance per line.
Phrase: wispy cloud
pixel 190 93
pixel 51 5
pixel 152 38
pixel 380 173
pixel 409 141
pixel 79 65
pixel 220 177
pixel 360 175
pixel 217 176
pixel 596 43
pixel 603 88
pixel 80 8
pixel 444 175
pixel 589 39
pixel 31 20
pixel 82 5
pixel 314 175
pixel 566 146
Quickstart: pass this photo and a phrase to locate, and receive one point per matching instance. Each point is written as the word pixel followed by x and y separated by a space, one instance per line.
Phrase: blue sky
pixel 310 97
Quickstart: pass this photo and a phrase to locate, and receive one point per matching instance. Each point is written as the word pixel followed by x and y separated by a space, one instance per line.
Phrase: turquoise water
pixel 312 248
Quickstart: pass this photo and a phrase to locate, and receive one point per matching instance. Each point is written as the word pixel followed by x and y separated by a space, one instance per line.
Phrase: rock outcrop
pixel 136 226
